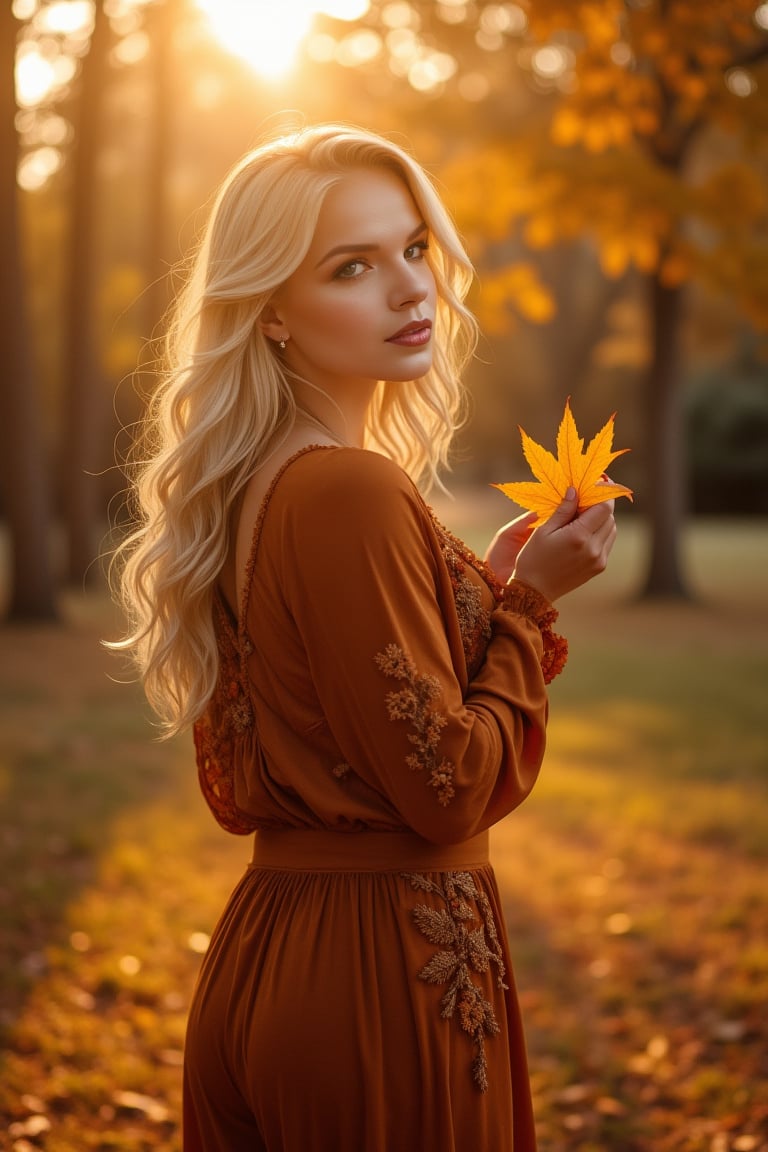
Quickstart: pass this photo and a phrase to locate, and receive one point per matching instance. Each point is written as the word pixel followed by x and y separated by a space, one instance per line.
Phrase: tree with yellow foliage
pixel 639 91
pixel 652 80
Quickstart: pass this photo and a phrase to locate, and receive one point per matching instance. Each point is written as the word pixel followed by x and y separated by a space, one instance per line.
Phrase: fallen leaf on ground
pixel 147 1105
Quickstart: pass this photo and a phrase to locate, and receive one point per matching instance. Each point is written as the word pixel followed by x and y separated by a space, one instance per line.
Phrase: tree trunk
pixel 85 417
pixel 570 339
pixel 665 445
pixel 161 22
pixel 23 466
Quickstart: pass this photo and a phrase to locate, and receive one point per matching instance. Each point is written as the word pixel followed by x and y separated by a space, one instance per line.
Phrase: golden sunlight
pixel 268 35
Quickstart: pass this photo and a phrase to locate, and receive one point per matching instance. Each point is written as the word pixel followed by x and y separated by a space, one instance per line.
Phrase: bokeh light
pixel 63 18
pixel 431 71
pixel 399 15
pixel 24 9
pixel 358 48
pixel 37 167
pixel 403 46
pixel 507 18
pixel 35 76
pixel 621 54
pixel 489 41
pixel 452 11
pixel 549 62
pixel 740 82
pixel 131 49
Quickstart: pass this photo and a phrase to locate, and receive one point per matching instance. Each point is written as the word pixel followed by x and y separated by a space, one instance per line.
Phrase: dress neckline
pixel 239 624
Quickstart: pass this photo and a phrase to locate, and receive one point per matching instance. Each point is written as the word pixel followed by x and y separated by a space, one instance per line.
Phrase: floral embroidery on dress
pixel 415 702
pixel 227 717
pixel 474 618
pixel 470 558
pixel 464 949
pixel 515 597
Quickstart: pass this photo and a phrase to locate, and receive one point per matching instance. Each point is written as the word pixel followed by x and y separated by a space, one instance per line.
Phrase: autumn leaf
pixel 571 467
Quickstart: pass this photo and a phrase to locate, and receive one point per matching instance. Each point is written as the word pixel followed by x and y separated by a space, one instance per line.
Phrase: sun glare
pixel 267 34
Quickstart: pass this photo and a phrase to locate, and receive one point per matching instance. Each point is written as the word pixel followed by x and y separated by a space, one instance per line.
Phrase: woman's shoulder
pixel 329 497
pixel 318 501
pixel 338 478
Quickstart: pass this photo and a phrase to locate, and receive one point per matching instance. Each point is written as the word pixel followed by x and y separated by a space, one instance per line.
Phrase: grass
pixel 633 878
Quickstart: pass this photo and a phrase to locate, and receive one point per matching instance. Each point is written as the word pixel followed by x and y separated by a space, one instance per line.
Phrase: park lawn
pixel 634 882
pixel 633 879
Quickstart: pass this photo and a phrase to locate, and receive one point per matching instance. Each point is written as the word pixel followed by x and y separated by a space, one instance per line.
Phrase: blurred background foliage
pixel 606 161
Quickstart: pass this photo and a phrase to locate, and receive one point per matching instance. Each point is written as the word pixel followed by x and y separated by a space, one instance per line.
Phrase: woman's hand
pixel 569 549
pixel 505 547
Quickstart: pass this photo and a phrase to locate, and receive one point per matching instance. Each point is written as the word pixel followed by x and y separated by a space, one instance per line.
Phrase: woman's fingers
pixel 599 514
pixel 569 550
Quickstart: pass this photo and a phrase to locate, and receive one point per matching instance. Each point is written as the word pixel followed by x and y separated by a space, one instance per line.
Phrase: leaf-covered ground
pixel 633 879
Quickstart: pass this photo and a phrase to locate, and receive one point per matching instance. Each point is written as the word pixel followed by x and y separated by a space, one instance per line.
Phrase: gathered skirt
pixel 357 996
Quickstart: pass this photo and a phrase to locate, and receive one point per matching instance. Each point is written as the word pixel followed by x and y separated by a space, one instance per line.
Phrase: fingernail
pixel 570 493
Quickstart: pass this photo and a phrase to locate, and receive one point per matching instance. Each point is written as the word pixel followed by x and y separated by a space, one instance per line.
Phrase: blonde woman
pixel 367 696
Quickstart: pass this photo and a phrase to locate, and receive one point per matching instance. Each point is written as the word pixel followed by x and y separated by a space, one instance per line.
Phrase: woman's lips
pixel 413 335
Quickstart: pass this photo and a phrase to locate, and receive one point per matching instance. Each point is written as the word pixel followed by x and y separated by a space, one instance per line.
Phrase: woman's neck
pixel 340 417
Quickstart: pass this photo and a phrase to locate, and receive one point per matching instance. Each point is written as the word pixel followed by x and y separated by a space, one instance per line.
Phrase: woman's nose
pixel 412 286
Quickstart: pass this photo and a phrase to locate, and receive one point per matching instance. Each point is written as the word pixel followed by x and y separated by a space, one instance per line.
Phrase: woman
pixel 366 695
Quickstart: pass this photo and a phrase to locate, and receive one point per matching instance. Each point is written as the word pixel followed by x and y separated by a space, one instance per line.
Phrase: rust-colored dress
pixel 381 703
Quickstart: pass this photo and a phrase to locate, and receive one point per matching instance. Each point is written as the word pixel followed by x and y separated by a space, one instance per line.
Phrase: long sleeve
pixel 377 612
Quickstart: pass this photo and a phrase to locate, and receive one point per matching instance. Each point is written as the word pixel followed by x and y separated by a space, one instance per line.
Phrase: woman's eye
pixel 350 271
pixel 416 251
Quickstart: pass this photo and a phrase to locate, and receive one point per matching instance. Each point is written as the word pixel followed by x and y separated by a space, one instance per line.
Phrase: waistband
pixel 320 850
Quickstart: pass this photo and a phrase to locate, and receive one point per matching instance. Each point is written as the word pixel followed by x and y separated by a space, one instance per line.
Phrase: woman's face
pixel 360 306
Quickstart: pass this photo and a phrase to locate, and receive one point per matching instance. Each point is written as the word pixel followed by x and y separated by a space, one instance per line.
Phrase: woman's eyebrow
pixel 350 249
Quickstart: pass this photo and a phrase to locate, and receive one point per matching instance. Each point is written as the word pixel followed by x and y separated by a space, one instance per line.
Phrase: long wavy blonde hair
pixel 224 394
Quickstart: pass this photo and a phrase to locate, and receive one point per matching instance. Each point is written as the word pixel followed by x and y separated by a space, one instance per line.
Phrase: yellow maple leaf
pixel 572 467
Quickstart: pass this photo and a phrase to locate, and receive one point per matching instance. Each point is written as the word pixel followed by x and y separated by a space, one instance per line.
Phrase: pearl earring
pixel 282 345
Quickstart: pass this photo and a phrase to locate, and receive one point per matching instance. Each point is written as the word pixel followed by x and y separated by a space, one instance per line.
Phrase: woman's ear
pixel 272 325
